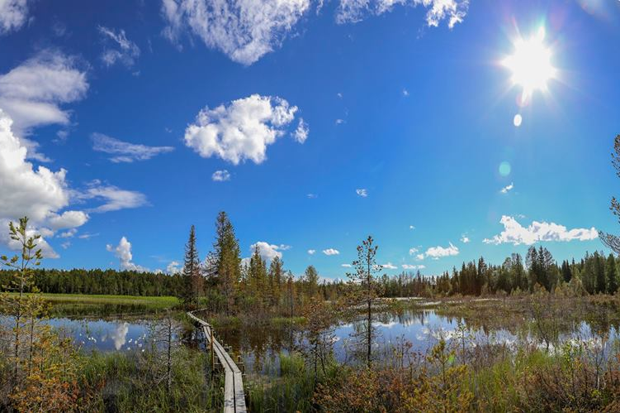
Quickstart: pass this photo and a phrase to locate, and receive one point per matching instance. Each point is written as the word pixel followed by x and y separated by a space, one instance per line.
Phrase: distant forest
pixel 595 273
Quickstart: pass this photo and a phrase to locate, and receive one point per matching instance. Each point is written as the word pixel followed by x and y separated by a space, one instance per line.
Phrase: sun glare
pixel 530 63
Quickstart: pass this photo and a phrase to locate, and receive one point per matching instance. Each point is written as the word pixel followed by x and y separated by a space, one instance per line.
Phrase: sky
pixel 446 129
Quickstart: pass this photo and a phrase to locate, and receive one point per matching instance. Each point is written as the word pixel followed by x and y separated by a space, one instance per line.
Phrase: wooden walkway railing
pixel 234 397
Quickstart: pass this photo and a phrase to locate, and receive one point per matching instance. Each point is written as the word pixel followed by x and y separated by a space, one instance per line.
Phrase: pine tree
pixel 364 282
pixel 192 276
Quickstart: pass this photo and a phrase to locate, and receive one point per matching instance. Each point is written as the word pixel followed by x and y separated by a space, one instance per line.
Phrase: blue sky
pixel 326 121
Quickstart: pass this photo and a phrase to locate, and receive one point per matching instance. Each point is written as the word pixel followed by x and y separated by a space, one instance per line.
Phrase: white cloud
pixel 405 92
pixel 269 251
pixel 68 234
pixel 88 236
pixel 113 197
pixel 35 193
pixel 413 267
pixel 13 15
pixel 32 93
pixel 413 251
pixel 454 11
pixel 331 251
pixel 125 151
pixel 242 130
pixel 65 245
pixel 507 188
pixel 514 233
pixel 68 219
pixel 221 176
pixel 42 244
pixel 439 252
pixel 362 192
pixel 123 252
pixel 312 196
pixel 411 227
pixel 346 265
pixel 419 257
pixel 465 239
pixel 311 252
pixel 122 50
pixel 389 266
pixel 174 268
pixel 243 30
pixel 302 131
pixel 340 121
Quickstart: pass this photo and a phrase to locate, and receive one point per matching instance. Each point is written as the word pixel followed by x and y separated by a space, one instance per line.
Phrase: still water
pixel 260 346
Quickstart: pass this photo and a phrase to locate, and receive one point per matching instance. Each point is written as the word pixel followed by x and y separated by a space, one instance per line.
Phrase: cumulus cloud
pixel 389 266
pixel 465 239
pixel 312 196
pixel 413 251
pixel 118 48
pixel 516 234
pixel 125 151
pixel 412 267
pixel 346 265
pixel 311 252
pixel 123 252
pixel 411 227
pixel 26 190
pixel 439 252
pixel 453 11
pixel 363 192
pixel 507 188
pixel 13 15
pixel 269 251
pixel 174 268
pixel 242 130
pixel 243 30
pixel 221 176
pixel 32 92
pixel 331 251
pixel 113 197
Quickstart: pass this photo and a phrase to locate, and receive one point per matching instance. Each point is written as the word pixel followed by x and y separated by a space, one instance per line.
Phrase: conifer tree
pixel 192 275
pixel 364 282
pixel 311 279
pixel 613 241
pixel 227 259
pixel 276 275
pixel 611 274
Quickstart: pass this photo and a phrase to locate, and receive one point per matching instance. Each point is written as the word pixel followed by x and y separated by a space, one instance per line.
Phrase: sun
pixel 530 63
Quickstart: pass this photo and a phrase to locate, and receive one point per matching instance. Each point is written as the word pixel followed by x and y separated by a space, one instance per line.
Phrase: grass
pixel 106 305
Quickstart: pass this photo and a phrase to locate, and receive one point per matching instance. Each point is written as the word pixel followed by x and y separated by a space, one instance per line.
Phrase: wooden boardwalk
pixel 234 397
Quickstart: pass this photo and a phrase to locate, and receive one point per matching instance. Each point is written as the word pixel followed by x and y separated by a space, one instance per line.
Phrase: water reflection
pixel 259 347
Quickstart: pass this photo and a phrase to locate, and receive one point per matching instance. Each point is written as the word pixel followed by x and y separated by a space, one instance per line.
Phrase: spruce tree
pixel 192 276
pixel 227 259
pixel 612 275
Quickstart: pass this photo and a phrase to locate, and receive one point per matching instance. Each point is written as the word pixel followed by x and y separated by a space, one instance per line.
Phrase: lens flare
pixel 530 64
pixel 504 168
pixel 518 119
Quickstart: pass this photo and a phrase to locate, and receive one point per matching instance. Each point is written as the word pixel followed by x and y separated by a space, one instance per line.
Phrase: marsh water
pixel 259 346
